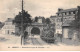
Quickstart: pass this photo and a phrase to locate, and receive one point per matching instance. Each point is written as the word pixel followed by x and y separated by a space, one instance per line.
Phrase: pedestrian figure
pixel 25 36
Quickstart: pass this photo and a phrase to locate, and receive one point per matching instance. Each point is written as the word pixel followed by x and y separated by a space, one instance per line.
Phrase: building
pixel 63 16
pixel 58 25
pixel 53 22
pixel 41 19
pixel 66 27
pixel 53 19
pixel 9 27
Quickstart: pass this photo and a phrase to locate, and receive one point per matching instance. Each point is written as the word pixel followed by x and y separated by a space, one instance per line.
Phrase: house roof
pixel 67 23
pixel 67 10
pixel 52 16
pixel 9 20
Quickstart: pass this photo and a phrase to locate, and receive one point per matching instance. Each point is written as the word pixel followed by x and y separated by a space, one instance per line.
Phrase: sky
pixel 46 8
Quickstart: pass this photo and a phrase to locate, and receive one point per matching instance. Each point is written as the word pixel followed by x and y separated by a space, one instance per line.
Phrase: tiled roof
pixel 67 10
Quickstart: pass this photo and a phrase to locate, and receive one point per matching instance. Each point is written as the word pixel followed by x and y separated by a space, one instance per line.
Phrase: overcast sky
pixel 46 8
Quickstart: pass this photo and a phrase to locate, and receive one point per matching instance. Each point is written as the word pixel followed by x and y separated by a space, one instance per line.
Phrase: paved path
pixel 36 40
pixel 10 39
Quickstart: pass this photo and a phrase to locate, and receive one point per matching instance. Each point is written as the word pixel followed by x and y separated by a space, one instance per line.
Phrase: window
pixel 65 13
pixel 58 26
pixel 57 31
pixel 69 12
pixel 58 20
pixel 74 12
pixel 65 19
pixel 7 31
pixel 58 14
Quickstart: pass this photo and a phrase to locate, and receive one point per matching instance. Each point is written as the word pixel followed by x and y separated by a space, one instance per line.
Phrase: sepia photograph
pixel 39 25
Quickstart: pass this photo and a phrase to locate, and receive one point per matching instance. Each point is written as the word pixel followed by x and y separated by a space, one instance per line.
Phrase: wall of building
pixel 65 32
pixel 58 25
pixel 64 15
pixel 53 19
pixel 39 20
pixel 8 28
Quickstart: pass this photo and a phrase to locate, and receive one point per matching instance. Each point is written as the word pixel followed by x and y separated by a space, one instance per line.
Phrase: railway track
pixel 35 41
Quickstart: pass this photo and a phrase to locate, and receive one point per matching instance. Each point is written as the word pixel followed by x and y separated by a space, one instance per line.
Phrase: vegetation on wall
pixel 48 34
pixel 76 23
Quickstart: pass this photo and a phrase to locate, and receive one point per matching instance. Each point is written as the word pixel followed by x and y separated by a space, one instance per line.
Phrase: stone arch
pixel 28 29
pixel 35 30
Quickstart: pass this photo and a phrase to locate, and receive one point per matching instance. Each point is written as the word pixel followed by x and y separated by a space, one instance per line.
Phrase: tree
pixel 26 20
pixel 43 20
pixel 48 21
pixel 48 34
pixel 36 19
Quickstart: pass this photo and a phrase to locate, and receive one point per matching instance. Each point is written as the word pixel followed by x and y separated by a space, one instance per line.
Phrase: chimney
pixel 78 7
pixel 59 9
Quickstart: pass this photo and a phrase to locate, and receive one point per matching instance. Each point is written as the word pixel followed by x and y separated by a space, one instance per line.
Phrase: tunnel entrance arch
pixel 35 30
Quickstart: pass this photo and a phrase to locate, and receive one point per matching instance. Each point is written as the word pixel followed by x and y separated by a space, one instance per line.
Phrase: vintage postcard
pixel 39 25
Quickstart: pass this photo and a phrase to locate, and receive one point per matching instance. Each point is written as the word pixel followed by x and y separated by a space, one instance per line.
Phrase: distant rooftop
pixel 9 20
pixel 67 10
pixel 40 17
pixel 52 16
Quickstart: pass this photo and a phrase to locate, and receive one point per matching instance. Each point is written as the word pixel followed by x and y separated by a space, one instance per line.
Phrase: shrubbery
pixel 48 35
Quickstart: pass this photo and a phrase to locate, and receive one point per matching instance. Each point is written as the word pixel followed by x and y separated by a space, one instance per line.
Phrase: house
pixel 58 26
pixel 9 27
pixel 41 19
pixel 66 27
pixel 64 15
pixel 53 19
pixel 67 31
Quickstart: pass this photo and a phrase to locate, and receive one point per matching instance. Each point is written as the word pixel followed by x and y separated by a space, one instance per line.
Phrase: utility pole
pixel 62 27
pixel 22 31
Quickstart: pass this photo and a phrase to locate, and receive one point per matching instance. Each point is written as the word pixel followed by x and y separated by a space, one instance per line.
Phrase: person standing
pixel 25 36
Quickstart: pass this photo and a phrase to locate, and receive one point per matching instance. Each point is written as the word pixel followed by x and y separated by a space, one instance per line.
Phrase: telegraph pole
pixel 62 27
pixel 22 31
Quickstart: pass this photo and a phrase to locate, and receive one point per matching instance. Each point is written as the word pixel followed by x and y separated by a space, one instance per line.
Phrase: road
pixel 36 40
pixel 11 39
